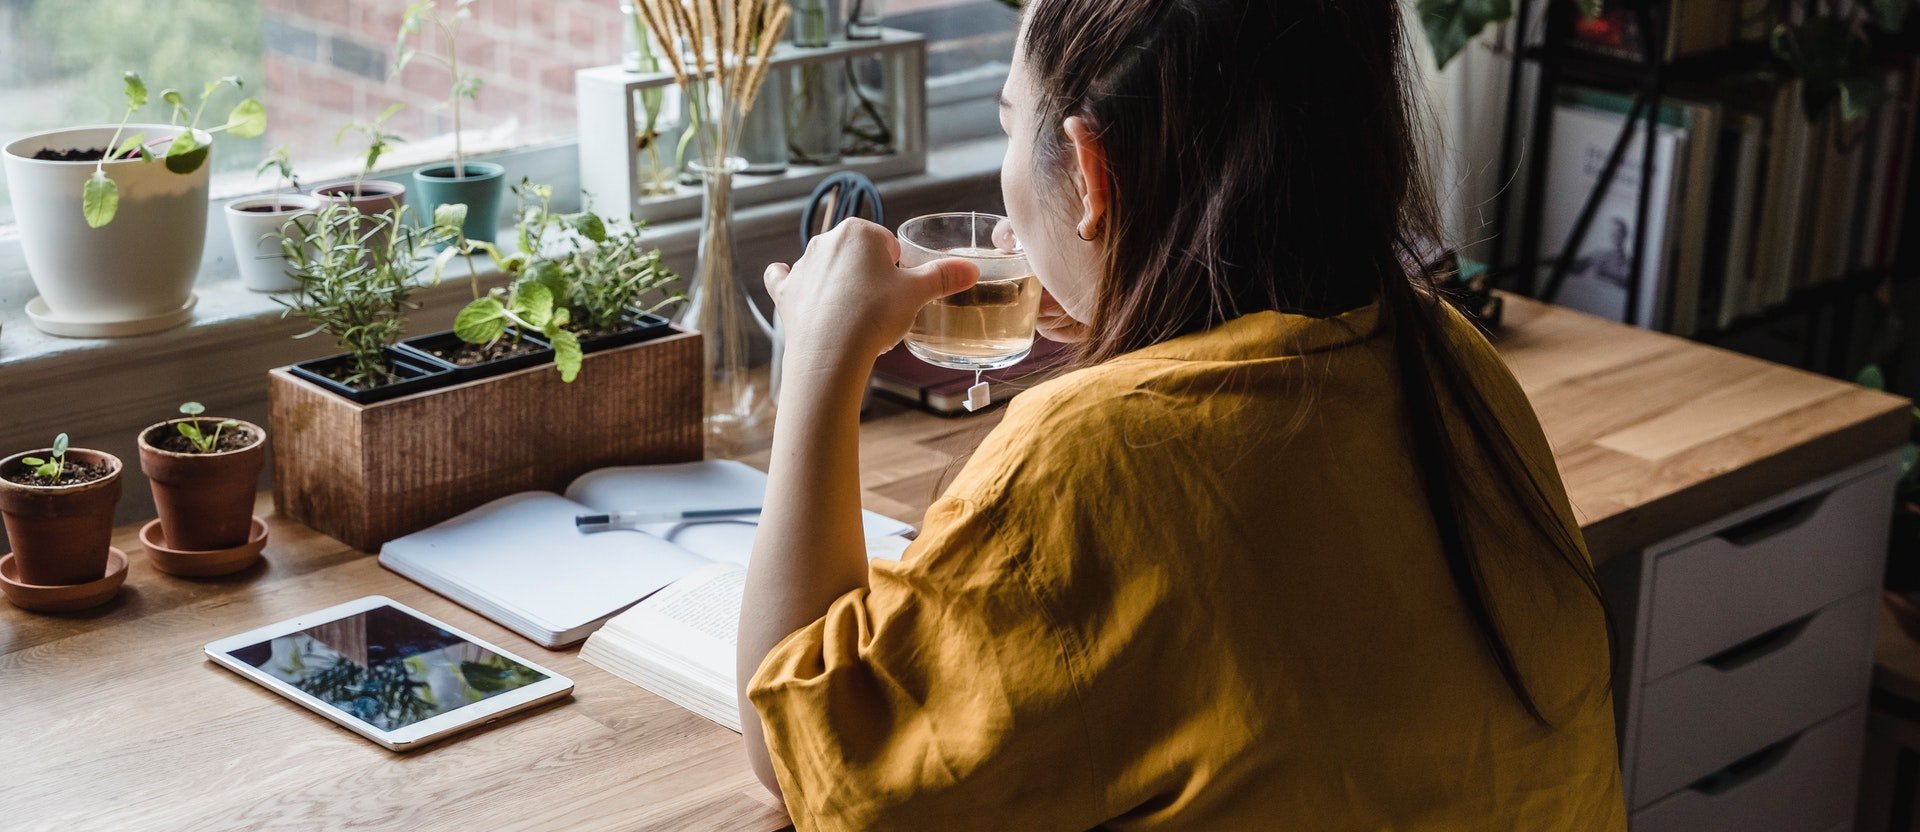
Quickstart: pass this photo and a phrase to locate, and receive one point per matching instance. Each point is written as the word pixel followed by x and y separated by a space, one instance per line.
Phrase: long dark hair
pixel 1263 155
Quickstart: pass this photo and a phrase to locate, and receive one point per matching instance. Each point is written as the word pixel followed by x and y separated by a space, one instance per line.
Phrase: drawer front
pixel 1806 783
pixel 1714 593
pixel 1697 720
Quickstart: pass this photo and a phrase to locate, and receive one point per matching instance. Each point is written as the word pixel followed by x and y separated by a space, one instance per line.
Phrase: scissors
pixel 838 197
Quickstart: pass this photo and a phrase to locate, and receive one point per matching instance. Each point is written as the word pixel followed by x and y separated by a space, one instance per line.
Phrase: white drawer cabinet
pixel 1801 783
pixel 1738 638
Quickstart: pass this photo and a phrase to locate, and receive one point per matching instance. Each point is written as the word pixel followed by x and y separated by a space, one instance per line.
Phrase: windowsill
pixel 228 314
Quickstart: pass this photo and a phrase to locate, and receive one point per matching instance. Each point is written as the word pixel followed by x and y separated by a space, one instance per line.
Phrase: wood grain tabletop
pixel 111 719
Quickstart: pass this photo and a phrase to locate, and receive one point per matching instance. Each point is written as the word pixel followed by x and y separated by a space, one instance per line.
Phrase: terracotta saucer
pixel 66 598
pixel 202 564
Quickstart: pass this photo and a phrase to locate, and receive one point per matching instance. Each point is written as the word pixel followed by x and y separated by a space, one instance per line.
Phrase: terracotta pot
pixel 60 533
pixel 205 501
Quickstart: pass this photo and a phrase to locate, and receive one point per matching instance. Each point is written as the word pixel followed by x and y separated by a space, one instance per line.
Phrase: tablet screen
pixel 387 668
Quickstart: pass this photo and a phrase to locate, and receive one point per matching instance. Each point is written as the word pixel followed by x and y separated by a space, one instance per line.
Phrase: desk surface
pixel 109 719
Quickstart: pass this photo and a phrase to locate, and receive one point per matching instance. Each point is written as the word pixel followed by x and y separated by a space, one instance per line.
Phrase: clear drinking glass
pixel 990 325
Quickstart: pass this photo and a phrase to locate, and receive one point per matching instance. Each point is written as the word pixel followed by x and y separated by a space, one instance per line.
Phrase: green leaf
pixel 589 225
pixel 51 469
pixel 547 273
pixel 136 91
pixel 60 445
pixel 173 97
pixel 468 88
pixel 1890 15
pixel 481 322
pixel 33 461
pixel 129 147
pixel 99 199
pixel 451 216
pixel 1859 97
pixel 185 154
pixel 248 119
pixel 1872 378
pixel 533 303
pixel 567 354
pixel 193 408
pixel 388 113
pixel 1451 24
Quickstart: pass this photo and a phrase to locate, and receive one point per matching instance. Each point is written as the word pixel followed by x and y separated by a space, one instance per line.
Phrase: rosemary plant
pixel 357 273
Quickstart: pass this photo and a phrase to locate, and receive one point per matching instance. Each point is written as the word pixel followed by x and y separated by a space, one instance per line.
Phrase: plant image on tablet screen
pixel 387 668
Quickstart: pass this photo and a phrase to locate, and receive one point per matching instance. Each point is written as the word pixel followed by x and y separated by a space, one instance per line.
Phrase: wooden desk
pixel 110 719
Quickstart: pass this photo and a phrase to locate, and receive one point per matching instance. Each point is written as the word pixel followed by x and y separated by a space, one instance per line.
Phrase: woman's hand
pixel 846 301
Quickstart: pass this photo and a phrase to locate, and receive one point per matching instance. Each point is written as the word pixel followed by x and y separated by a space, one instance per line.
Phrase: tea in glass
pixel 988 326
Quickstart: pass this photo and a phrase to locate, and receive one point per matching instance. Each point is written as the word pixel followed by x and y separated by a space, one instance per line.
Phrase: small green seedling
pixel 464 85
pixel 50 468
pixel 190 428
pixel 280 162
pixel 379 141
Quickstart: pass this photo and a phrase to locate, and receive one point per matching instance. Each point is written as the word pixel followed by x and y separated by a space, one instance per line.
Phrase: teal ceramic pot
pixel 479 190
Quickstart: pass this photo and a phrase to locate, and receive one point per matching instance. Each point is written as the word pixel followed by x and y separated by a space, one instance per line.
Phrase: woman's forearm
pixel 810 548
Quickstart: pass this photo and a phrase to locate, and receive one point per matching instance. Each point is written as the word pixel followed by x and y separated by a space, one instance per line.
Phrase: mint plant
pixel 54 465
pixel 574 274
pixel 201 441
pixel 100 196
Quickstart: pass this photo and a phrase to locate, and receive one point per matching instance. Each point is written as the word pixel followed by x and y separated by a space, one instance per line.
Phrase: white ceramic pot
pixel 255 225
pixel 139 267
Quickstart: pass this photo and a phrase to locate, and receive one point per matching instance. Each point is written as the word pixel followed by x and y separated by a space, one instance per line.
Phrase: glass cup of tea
pixel 990 325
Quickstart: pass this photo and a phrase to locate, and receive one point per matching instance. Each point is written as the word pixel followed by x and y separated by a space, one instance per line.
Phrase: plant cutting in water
pixel 100 196
pixel 465 85
pixel 202 442
pixel 50 468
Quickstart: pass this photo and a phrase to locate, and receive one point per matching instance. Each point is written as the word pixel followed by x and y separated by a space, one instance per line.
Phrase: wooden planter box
pixel 367 474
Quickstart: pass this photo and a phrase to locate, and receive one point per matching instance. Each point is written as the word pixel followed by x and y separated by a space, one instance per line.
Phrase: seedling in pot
pixel 280 162
pixel 379 141
pixel 100 197
pixel 464 85
pixel 202 442
pixel 51 468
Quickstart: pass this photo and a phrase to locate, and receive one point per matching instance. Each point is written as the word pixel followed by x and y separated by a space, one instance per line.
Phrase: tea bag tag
pixel 977 396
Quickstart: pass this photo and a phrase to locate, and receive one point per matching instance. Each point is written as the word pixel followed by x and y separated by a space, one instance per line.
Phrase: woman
pixel 1289 552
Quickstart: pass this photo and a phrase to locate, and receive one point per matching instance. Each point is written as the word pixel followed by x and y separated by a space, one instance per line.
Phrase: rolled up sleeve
pixel 938 698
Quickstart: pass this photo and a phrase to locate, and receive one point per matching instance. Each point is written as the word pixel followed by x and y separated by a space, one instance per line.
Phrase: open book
pixel 521 561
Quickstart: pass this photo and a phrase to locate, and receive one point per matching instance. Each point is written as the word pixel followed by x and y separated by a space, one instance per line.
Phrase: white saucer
pixel 46 322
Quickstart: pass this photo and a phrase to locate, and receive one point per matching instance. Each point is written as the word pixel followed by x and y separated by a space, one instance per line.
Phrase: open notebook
pixel 519 560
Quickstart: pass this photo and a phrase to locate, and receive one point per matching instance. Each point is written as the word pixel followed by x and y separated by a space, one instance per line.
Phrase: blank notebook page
pixel 524 554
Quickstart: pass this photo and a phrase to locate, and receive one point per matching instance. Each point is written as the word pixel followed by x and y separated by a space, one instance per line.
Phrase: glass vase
pixel 736 339
pixel 763 133
pixel 816 109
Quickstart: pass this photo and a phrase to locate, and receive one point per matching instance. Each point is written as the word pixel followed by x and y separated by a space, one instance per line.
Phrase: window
pixel 318 65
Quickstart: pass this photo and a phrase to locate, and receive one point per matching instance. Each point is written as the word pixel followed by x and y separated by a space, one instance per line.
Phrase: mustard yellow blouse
pixel 1198 587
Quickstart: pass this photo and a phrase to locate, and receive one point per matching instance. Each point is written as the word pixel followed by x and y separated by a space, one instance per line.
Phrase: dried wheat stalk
pixel 730 41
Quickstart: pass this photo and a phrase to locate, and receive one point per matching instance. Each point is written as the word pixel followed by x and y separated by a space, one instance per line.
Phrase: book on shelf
pixel 1693 27
pixel 522 561
pixel 1600 272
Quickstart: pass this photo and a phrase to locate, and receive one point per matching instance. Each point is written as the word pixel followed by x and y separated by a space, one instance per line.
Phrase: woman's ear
pixel 1090 176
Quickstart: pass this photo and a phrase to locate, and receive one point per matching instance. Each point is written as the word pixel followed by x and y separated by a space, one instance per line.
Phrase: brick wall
pixel 329 62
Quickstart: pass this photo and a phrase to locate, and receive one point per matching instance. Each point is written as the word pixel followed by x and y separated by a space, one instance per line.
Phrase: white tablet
pixel 388 672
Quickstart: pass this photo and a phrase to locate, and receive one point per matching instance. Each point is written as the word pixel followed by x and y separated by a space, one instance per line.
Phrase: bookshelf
pixel 1533 260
